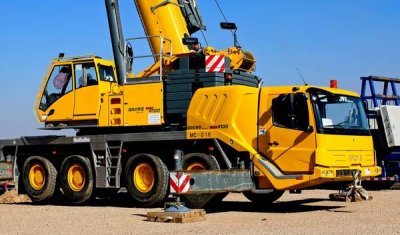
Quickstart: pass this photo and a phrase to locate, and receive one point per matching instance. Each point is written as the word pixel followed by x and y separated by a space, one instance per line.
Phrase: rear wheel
pixel 76 179
pixel 39 178
pixel 199 162
pixel 263 198
pixel 146 178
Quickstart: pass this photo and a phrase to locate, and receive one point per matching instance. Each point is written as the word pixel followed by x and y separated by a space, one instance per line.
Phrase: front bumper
pixel 344 174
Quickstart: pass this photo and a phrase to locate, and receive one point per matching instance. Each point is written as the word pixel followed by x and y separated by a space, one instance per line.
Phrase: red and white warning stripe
pixel 215 63
pixel 396 179
pixel 179 183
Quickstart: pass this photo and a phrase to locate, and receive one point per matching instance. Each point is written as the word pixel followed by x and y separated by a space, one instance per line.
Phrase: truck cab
pixel 306 128
pixel 303 136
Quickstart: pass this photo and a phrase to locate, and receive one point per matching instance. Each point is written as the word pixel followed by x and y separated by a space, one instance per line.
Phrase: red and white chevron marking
pixel 396 179
pixel 179 183
pixel 215 63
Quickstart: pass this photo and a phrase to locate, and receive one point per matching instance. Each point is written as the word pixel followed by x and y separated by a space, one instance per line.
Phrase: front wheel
pixel 76 179
pixel 147 179
pixel 201 162
pixel 39 178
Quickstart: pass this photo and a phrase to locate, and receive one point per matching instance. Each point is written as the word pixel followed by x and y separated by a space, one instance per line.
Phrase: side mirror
pixel 365 105
pixel 309 129
pixel 228 25
pixel 298 104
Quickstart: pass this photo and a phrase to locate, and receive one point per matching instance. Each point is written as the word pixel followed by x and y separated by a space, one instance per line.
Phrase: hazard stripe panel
pixel 215 63
pixel 179 183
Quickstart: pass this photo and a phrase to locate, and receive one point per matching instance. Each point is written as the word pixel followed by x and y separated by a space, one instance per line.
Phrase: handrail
pixel 160 55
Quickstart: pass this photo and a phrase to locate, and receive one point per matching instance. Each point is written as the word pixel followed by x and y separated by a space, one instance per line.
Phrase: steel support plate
pixel 215 181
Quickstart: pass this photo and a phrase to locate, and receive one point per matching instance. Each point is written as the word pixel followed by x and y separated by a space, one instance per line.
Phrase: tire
pixel 147 179
pixel 263 198
pixel 201 161
pixel 76 179
pixel 39 177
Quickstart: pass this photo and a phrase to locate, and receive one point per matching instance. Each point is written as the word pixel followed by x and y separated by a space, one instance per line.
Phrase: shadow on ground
pixel 277 207
pixel 296 206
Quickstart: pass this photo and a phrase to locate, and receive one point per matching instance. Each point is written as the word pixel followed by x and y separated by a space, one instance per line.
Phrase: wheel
pixel 199 162
pixel 39 178
pixel 147 179
pixel 76 179
pixel 263 198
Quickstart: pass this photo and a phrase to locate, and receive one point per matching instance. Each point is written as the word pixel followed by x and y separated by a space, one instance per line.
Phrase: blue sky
pixel 324 39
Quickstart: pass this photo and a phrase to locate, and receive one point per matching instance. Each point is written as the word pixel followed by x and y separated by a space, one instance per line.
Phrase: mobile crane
pixel 236 135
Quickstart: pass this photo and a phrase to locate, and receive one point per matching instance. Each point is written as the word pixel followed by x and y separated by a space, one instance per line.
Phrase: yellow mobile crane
pixel 236 135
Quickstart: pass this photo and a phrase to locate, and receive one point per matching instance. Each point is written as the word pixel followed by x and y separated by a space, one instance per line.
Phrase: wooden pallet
pixel 177 217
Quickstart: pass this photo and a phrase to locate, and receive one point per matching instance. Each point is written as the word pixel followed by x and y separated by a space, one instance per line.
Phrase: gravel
pixel 308 213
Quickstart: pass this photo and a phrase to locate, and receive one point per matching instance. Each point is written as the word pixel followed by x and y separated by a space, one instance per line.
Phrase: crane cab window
pixel 58 84
pixel 106 73
pixel 290 111
pixel 85 75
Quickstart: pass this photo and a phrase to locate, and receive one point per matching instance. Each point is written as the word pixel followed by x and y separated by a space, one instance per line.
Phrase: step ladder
pixel 113 164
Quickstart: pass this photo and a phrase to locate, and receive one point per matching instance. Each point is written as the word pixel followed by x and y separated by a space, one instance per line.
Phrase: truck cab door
pixel 290 138
pixel 87 95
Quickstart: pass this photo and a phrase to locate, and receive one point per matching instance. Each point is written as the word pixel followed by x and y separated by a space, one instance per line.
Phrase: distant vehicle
pixel 6 173
pixel 383 111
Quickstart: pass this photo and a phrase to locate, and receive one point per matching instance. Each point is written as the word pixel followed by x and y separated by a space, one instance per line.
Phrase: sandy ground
pixel 308 213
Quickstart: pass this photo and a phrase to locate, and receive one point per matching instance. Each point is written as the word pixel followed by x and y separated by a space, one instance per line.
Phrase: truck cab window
pixel 85 75
pixel 290 111
pixel 58 85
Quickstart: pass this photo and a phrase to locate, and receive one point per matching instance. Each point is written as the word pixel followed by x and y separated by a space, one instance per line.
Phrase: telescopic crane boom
pixel 172 19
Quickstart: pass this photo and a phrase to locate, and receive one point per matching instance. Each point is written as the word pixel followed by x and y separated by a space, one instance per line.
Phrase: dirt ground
pixel 308 213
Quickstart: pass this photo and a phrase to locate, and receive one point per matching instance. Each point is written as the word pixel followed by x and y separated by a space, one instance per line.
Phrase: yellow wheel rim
pixel 76 177
pixel 37 176
pixel 143 176
pixel 196 166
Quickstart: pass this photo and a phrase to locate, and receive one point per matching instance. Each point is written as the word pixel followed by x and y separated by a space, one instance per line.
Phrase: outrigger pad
pixel 177 217
pixel 351 195
pixel 354 192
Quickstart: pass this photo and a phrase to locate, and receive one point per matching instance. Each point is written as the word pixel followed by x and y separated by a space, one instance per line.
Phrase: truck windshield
pixel 339 114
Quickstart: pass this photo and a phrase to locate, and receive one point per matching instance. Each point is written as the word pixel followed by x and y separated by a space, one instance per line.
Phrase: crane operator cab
pixel 71 91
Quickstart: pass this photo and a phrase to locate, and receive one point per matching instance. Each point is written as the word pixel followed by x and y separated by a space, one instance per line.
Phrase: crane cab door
pixel 289 140
pixel 57 98
pixel 87 101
